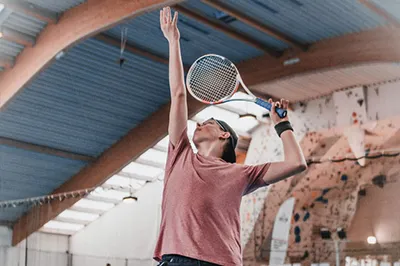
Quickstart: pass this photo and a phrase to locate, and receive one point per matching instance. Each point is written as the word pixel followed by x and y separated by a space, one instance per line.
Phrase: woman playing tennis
pixel 200 222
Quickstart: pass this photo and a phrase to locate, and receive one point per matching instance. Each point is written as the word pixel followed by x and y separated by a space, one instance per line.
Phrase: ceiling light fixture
pixel 371 240
pixel 291 61
pixel 129 199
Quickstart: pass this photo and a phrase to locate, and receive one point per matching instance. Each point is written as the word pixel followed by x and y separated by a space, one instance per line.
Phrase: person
pixel 200 221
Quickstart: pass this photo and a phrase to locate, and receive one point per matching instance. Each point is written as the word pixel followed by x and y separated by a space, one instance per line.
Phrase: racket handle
pixel 281 112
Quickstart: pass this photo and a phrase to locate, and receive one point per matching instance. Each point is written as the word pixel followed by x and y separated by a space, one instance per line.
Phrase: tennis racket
pixel 213 79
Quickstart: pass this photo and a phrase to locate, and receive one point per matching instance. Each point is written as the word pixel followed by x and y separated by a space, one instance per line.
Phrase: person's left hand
pixel 284 104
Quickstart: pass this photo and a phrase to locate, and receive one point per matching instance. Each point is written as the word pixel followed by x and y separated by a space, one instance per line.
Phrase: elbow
pixel 301 167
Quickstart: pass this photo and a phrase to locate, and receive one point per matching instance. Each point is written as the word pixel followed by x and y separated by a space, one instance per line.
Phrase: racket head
pixel 212 79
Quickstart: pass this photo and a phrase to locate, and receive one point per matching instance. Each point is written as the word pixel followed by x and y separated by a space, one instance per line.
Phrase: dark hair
pixel 229 154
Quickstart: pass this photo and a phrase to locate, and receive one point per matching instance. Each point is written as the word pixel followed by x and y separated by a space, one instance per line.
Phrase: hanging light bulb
pixel 129 199
pixel 371 240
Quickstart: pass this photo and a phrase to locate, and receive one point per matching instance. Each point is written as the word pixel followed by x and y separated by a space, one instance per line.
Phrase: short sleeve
pixel 255 174
pixel 175 151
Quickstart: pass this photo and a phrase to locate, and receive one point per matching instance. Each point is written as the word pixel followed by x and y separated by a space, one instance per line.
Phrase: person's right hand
pixel 169 26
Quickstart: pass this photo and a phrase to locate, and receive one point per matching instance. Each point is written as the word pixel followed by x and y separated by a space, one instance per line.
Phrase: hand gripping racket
pixel 213 79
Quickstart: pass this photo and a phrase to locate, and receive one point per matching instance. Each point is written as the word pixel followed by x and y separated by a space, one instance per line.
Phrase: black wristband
pixel 283 126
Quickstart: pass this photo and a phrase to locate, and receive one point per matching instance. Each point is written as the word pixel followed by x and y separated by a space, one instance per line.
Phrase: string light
pixel 60 197
pixel 84 192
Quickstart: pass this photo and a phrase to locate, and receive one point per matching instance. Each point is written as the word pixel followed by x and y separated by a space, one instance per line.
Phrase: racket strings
pixel 212 79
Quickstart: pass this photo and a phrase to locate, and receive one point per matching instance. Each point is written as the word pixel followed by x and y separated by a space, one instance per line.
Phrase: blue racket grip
pixel 281 112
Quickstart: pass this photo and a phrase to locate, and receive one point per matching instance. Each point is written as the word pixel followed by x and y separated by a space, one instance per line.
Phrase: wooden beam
pixel 31 10
pixel 379 11
pixel 129 47
pixel 45 150
pixel 135 50
pixel 256 24
pixel 228 31
pixel 17 37
pixel 377 45
pixel 131 146
pixel 76 24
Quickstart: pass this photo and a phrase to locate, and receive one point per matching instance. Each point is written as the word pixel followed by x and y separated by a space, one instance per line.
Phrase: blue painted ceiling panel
pixel 85 102
pixel 25 174
pixel 239 26
pixel 392 7
pixel 197 39
pixel 309 21
pixel 10 49
pixel 57 6
pixel 25 24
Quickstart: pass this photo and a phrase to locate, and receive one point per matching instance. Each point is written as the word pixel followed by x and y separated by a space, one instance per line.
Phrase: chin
pixel 197 138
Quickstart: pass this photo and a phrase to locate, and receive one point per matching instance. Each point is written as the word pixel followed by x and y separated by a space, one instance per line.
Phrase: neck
pixel 210 149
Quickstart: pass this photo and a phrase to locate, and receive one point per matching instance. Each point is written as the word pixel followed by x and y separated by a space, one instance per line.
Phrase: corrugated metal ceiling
pixel 84 102
pixel 307 20
pixel 391 7
pixel 29 25
pixel 25 174
pixel 57 6
pixel 25 24
pixel 196 38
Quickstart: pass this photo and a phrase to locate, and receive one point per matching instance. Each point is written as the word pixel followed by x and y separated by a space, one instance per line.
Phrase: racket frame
pixel 227 98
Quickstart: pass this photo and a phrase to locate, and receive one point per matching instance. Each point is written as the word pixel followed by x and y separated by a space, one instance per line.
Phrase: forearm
pixel 292 150
pixel 176 74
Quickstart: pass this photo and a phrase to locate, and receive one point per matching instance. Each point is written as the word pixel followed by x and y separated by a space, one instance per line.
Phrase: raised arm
pixel 294 161
pixel 178 115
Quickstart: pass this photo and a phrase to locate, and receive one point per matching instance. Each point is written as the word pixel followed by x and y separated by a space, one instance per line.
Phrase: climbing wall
pixel 318 114
pixel 326 194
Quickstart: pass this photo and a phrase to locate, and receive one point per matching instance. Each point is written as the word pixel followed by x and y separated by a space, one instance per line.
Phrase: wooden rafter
pixel 256 24
pixel 228 31
pixel 131 146
pixel 76 24
pixel 45 150
pixel 377 45
pixel 82 22
pixel 129 47
pixel 133 49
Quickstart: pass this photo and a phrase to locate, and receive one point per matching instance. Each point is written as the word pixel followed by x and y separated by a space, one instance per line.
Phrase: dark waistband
pixel 183 259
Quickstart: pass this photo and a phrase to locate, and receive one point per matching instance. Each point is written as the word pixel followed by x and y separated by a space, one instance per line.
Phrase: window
pixel 63 226
pixel 83 216
pixel 96 205
pixel 142 170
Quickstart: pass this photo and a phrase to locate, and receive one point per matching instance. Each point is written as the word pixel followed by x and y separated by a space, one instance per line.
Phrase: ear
pixel 225 135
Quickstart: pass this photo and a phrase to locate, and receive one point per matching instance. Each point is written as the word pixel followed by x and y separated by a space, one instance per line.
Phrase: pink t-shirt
pixel 201 205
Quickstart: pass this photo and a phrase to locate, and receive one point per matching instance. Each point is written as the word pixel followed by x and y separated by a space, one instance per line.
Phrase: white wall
pixel 382 101
pixel 43 250
pixel 128 231
pixel 341 109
